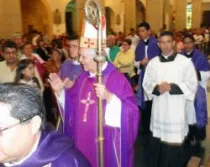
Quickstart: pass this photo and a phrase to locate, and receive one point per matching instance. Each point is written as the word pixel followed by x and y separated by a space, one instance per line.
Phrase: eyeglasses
pixel 11 126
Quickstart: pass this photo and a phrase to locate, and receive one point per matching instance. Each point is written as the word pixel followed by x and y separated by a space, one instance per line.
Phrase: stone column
pixel 180 19
pixel 80 15
pixel 10 18
pixel 154 14
pixel 196 13
pixel 130 15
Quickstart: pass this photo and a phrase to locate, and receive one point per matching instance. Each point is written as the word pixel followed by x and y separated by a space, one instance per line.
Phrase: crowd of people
pixel 161 79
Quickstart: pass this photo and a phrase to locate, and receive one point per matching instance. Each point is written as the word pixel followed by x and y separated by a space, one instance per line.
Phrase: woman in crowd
pixel 25 73
pixel 124 61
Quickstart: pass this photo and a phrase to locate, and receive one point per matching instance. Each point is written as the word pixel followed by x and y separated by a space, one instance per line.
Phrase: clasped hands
pixel 144 61
pixel 164 87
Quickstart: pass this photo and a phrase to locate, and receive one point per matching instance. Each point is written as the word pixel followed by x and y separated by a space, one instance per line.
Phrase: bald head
pixel 111 41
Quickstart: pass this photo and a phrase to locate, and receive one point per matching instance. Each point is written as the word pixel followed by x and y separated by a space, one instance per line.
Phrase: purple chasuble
pixel 70 70
pixel 56 150
pixel 152 51
pixel 201 64
pixel 81 119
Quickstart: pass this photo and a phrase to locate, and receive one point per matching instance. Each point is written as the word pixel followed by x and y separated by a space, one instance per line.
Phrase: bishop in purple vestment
pixel 120 113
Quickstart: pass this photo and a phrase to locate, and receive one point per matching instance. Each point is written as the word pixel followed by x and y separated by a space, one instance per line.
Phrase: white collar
pixel 189 52
pixel 75 62
pixel 145 40
pixel 166 56
pixel 26 82
pixel 21 161
pixel 103 68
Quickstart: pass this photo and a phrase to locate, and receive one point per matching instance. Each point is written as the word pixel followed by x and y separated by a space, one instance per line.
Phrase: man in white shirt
pixel 134 38
pixel 8 67
pixel 199 38
pixel 17 38
pixel 170 80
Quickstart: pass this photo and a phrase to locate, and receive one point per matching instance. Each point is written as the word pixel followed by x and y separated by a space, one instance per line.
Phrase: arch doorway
pixel 109 13
pixel 140 12
pixel 33 19
pixel 71 20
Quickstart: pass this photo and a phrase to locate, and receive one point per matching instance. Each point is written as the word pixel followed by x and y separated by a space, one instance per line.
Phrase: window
pixel 189 16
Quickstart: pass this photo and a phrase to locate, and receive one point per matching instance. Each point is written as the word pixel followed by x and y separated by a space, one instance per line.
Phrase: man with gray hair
pixel 80 109
pixel 80 118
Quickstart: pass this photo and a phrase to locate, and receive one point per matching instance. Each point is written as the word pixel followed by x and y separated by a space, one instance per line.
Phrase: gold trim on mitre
pixel 88 43
pixel 89 36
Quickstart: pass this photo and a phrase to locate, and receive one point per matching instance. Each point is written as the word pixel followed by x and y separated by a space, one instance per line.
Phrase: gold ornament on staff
pixel 94 16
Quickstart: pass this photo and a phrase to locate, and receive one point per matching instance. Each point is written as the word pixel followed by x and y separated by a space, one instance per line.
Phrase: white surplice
pixel 169 119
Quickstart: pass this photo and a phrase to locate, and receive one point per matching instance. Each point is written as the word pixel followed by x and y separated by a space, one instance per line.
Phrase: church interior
pixel 55 20
pixel 22 15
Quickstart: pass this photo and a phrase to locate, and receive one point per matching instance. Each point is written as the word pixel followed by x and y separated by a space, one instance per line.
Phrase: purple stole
pixel 152 51
pixel 70 70
pixel 56 150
